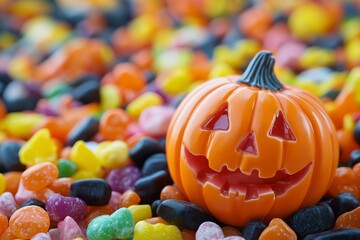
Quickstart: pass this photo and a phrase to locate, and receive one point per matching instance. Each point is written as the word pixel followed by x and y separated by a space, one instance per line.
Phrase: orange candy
pixel 188 234
pixel 61 186
pixel 349 219
pixel 278 230
pixel 347 144
pixel 39 176
pixel 113 124
pixel 171 192
pixel 128 199
pixel 28 221
pixel 3 223
pixel 94 212
pixel 12 181
pixel 345 180
pixel 230 231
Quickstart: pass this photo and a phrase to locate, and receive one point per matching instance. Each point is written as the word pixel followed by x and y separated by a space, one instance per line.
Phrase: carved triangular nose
pixel 248 144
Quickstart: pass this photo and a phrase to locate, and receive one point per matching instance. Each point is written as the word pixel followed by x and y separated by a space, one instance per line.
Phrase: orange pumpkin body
pixel 247 147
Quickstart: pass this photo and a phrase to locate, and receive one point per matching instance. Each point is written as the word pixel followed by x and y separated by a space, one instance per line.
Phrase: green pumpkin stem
pixel 260 72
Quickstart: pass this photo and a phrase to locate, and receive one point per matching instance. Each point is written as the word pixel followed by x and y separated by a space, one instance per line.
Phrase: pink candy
pixel 212 231
pixel 154 121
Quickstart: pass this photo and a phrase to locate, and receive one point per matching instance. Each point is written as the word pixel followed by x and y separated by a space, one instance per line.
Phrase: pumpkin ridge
pixel 260 73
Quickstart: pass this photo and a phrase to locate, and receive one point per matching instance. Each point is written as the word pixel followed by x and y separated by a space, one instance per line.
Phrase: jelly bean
pixel 344 202
pixel 17 98
pixel 349 219
pixel 311 220
pixel 277 229
pixel 95 192
pixel 9 157
pixel 234 238
pixel 144 230
pixel 123 179
pixel 2 183
pixel 155 220
pixel 144 149
pixel 142 102
pixel 129 198
pixel 88 90
pixel 208 231
pixel 26 222
pixel 154 121
pixel 120 224
pixel 154 206
pixel 7 204
pixel 39 176
pixel 12 181
pixel 66 168
pixel 85 159
pixel 69 229
pixel 128 77
pixel 354 158
pixel 171 192
pixel 33 151
pixel 183 214
pixel 221 70
pixel 335 234
pixel 140 212
pixel 84 130
pixel 34 202
pixel 253 229
pixel 112 154
pixel 154 163
pixel 54 234
pixel 149 187
pixel 22 195
pixel 113 124
pixel 58 207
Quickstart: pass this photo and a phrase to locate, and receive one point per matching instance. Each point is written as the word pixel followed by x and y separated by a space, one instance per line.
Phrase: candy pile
pixel 88 89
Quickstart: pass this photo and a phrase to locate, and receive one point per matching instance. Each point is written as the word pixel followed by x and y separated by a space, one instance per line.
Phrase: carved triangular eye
pixel 219 121
pixel 281 128
pixel 248 144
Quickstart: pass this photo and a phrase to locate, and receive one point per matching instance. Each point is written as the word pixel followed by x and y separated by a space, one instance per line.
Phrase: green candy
pixel 66 168
pixel 119 225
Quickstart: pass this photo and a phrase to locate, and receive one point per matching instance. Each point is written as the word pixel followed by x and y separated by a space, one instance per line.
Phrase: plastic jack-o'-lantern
pixel 248 147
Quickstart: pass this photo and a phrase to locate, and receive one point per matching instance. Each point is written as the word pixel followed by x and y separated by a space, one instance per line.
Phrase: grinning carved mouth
pixel 236 182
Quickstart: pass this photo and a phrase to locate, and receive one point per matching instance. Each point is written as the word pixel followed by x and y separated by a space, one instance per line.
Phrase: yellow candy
pixel 353 82
pixel 142 102
pixel 317 57
pixel 350 29
pixel 348 122
pixel 245 50
pixel 85 174
pixel 309 20
pixel 142 28
pixel 40 148
pixel 224 54
pixel 86 160
pixel 146 231
pixel 112 154
pixel 221 70
pixel 352 51
pixel 178 81
pixel 140 212
pixel 110 97
pixel 2 183
pixel 20 124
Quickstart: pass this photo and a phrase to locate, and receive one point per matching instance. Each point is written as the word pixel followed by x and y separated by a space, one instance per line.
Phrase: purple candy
pixel 60 207
pixel 7 204
pixel 122 179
